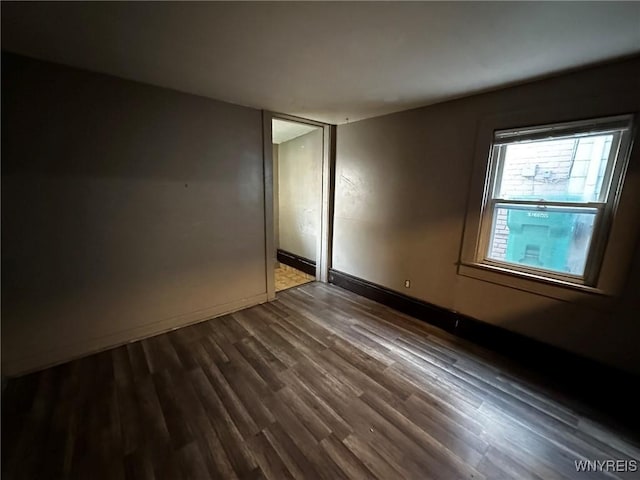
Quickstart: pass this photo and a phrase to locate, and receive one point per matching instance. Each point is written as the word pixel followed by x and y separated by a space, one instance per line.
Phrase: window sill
pixel 538 285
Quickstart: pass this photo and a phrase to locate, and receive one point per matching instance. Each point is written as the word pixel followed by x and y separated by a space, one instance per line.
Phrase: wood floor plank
pixel 305 413
pixel 371 458
pixel 232 403
pixel 167 466
pixel 279 347
pixel 350 465
pixel 138 360
pixel 183 345
pixel 341 368
pixel 192 464
pixel 58 453
pixel 320 383
pixel 371 367
pixel 499 465
pixel 331 419
pixel 209 443
pixel 300 436
pixel 240 456
pixel 131 428
pixel 262 354
pixel 270 462
pixel 247 386
pixel 152 421
pixel 180 433
pixel 138 465
pixel 297 463
pixel 449 456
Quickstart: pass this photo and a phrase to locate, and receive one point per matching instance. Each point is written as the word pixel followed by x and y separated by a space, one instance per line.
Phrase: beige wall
pixel 300 194
pixel 126 210
pixel 276 206
pixel 402 191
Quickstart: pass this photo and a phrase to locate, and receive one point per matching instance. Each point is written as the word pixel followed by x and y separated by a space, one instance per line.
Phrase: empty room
pixel 332 240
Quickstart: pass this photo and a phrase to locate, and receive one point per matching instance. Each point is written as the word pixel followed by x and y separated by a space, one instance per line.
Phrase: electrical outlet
pixel 407 283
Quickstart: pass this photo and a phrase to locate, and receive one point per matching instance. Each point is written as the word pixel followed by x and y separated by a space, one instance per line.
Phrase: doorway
pixel 296 173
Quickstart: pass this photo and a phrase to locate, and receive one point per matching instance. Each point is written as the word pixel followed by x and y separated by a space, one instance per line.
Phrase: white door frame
pixel 323 246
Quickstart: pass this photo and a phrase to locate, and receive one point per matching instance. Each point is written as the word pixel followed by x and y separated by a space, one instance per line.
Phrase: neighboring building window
pixel 550 196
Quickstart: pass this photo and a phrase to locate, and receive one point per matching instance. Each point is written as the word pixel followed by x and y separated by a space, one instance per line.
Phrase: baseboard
pixel 296 261
pixel 59 355
pixel 434 315
pixel 597 384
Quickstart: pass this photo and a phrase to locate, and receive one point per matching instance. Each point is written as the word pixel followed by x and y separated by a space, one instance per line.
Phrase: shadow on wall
pixel 123 205
pixel 401 198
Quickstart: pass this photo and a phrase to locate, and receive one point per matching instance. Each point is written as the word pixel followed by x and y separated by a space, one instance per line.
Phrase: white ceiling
pixel 283 131
pixel 325 61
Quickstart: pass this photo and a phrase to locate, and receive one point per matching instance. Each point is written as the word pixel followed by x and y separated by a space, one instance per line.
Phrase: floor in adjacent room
pixel 321 383
pixel 288 277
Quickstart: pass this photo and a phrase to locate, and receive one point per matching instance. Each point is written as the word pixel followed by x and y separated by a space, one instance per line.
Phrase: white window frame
pixel 622 127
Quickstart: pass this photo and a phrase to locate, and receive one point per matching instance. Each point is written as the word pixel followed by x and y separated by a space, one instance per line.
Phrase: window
pixel 549 199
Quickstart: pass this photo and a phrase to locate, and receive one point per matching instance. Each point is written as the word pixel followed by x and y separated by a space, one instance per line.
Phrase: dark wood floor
pixel 318 384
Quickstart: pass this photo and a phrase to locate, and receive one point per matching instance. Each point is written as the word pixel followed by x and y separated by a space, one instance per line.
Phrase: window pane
pixel 552 238
pixel 567 169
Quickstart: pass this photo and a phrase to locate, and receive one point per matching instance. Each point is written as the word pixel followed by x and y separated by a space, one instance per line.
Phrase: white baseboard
pixel 55 356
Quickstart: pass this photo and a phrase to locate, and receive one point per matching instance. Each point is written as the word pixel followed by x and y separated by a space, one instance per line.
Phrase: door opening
pixel 299 197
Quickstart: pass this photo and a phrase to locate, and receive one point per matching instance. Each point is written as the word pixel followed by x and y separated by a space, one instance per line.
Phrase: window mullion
pixel 548 203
